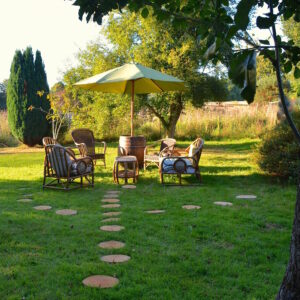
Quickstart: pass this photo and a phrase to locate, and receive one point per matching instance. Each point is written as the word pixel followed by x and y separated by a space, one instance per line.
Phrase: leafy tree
pixel 27 77
pixel 161 47
pixel 214 23
pixel 3 87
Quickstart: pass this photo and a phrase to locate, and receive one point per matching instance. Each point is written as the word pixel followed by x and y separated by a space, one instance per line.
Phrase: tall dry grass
pixel 6 138
pixel 236 122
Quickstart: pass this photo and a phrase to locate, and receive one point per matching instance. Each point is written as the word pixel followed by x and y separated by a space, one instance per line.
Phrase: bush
pixel 6 138
pixel 278 154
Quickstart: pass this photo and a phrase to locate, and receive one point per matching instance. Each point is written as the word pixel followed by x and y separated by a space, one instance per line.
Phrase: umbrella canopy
pixel 132 79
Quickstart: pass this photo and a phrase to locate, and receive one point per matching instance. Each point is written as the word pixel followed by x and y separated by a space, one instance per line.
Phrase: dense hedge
pixel 278 154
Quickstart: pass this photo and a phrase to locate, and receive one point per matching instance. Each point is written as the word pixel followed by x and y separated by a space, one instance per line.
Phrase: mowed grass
pixel 237 252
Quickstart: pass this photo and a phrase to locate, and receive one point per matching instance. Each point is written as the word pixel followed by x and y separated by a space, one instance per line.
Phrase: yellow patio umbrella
pixel 132 79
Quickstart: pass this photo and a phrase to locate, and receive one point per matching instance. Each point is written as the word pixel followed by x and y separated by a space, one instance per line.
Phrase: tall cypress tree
pixel 26 79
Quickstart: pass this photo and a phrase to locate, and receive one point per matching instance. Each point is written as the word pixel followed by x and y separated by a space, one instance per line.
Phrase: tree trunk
pixel 175 111
pixel 290 286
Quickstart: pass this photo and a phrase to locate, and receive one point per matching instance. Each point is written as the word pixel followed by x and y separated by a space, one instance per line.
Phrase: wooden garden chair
pixel 166 145
pixel 63 168
pixel 85 141
pixel 187 163
pixel 47 140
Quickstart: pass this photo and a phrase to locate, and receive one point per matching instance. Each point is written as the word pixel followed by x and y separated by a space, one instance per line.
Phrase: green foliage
pixel 278 153
pixel 2 96
pixel 27 77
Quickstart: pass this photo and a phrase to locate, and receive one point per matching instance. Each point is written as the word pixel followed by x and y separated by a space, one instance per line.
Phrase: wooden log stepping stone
pixel 157 211
pixel 221 203
pixel 42 207
pixel 28 196
pixel 191 206
pixel 100 281
pixel 112 228
pixel 247 197
pixel 110 205
pixel 128 186
pixel 115 258
pixel 66 212
pixel 112 192
pixel 111 220
pixel 111 245
pixel 111 213
pixel 25 200
pixel 110 200
pixel 111 196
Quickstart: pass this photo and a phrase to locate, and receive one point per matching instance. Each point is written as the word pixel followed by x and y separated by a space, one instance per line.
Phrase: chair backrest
pixel 86 137
pixel 195 150
pixel 167 143
pixel 57 160
pixel 47 140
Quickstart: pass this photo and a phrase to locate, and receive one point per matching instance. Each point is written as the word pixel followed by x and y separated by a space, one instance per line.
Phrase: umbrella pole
pixel 132 106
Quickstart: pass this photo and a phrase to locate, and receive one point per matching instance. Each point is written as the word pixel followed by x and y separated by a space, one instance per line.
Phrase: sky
pixel 51 26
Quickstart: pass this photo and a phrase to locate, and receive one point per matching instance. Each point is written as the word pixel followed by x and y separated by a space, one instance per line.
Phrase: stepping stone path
pixel 25 200
pixel 223 203
pixel 157 211
pixel 115 258
pixel 112 192
pixel 110 200
pixel 110 205
pixel 112 228
pixel 111 245
pixel 248 197
pixel 66 212
pixel 42 207
pixel 127 186
pixel 100 281
pixel 111 220
pixel 28 196
pixel 191 206
pixel 110 196
pixel 111 213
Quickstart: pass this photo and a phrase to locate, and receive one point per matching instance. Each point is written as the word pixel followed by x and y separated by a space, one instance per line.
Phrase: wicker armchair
pixel 63 168
pixel 47 140
pixel 179 165
pixel 166 149
pixel 86 143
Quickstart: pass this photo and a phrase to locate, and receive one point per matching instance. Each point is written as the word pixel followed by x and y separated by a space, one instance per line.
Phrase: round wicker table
pixel 126 167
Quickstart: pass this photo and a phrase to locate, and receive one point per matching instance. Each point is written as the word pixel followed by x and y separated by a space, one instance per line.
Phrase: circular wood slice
pixel 111 220
pixel 25 200
pixel 191 206
pixel 248 197
pixel 100 281
pixel 28 196
pixel 221 203
pixel 110 205
pixel 111 196
pixel 42 207
pixel 66 212
pixel 112 228
pixel 113 192
pixel 115 258
pixel 128 186
pixel 111 245
pixel 110 200
pixel 157 211
pixel 111 213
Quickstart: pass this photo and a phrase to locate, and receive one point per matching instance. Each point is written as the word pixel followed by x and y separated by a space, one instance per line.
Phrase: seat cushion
pixel 60 160
pixel 168 165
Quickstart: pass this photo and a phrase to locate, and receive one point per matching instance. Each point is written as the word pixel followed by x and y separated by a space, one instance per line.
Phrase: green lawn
pixel 237 252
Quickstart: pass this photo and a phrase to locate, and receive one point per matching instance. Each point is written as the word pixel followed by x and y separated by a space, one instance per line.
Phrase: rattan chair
pixel 180 165
pixel 152 158
pixel 63 168
pixel 86 143
pixel 47 140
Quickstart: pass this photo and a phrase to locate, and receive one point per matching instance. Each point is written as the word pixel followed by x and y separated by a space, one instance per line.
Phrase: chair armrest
pixel 82 149
pixel 167 152
pixel 180 152
pixel 104 146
